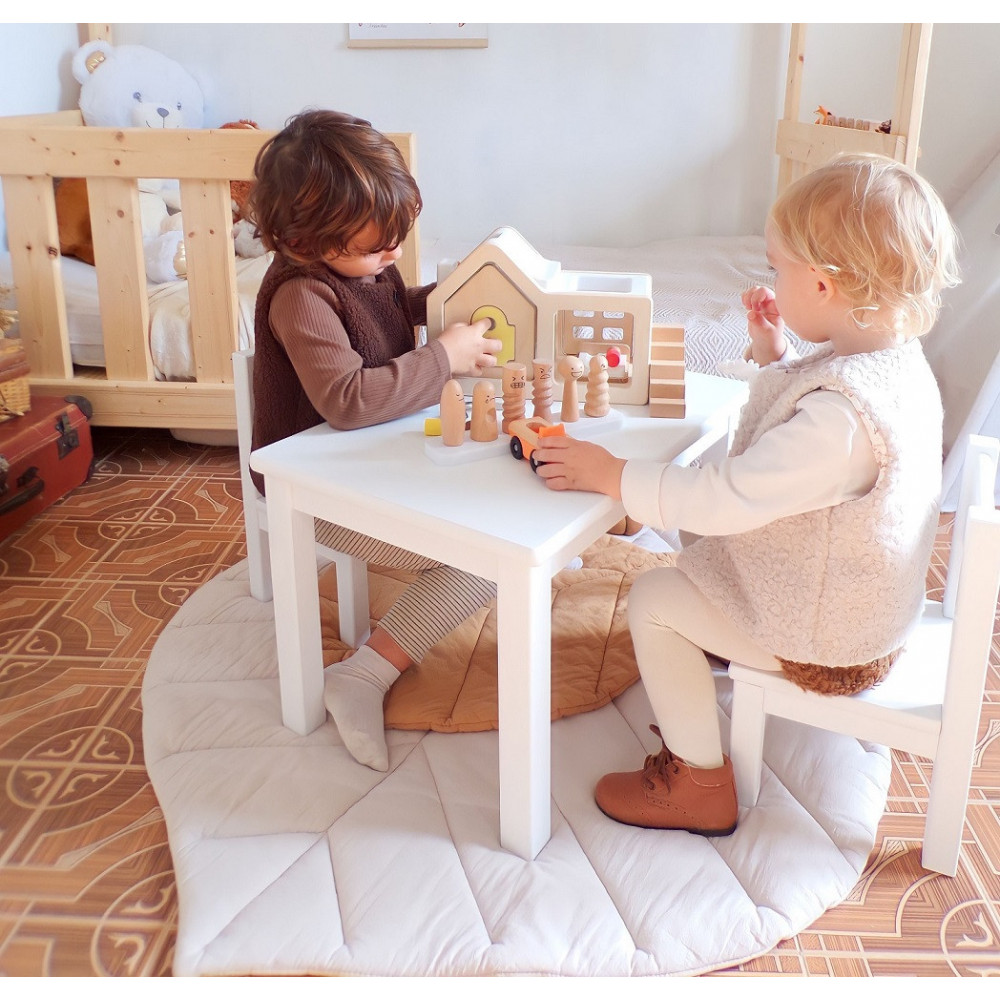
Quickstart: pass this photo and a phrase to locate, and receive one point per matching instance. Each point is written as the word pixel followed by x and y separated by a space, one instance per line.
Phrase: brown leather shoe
pixel 668 794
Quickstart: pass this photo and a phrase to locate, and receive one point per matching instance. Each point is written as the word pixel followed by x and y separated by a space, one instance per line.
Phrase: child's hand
pixel 468 348
pixel 570 464
pixel 765 325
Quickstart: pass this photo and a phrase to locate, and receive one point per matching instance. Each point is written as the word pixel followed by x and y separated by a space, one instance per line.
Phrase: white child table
pixel 491 517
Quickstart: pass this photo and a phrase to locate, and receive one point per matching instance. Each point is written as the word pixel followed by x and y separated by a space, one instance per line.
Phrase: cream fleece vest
pixel 842 585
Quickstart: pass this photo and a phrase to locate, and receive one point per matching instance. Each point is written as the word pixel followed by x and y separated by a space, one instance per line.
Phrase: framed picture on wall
pixel 365 35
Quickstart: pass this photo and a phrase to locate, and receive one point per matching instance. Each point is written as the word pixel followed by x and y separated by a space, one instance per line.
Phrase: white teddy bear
pixel 133 86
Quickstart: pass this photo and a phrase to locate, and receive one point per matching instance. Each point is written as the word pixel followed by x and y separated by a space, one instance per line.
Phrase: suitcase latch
pixel 69 437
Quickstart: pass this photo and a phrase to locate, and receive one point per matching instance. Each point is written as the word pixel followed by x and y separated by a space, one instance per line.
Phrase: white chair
pixel 930 703
pixel 352 574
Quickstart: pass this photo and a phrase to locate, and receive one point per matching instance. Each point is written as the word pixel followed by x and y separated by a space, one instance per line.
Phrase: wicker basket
pixel 15 397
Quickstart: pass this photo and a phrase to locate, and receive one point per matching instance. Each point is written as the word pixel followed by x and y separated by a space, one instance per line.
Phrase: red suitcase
pixel 43 455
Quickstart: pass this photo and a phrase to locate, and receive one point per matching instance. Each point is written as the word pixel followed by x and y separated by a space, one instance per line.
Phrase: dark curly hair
pixel 322 179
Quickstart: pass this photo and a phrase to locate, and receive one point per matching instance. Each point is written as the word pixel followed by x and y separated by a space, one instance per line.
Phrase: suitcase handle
pixel 20 499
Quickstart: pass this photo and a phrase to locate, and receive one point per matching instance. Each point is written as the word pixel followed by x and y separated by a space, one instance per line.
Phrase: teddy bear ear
pixel 89 57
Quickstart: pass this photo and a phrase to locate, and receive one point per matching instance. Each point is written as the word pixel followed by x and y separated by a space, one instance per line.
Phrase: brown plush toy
pixel 73 219
pixel 239 191
pixel 246 242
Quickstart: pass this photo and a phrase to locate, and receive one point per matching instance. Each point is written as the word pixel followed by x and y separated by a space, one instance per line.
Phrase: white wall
pixel 575 133
pixel 572 133
pixel 24 89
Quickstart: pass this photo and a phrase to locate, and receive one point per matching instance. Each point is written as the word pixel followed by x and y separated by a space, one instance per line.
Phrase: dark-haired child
pixel 335 343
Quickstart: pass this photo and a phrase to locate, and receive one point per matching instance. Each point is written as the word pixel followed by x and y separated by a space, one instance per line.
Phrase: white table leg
pixel 524 630
pixel 296 611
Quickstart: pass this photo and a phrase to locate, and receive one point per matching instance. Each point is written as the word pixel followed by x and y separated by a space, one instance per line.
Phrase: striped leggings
pixel 436 603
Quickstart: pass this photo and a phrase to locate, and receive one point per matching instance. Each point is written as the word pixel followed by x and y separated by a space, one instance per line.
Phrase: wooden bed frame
pixel 803 146
pixel 34 150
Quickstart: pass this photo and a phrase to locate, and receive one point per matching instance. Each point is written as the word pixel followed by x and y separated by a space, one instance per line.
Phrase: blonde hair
pixel 879 231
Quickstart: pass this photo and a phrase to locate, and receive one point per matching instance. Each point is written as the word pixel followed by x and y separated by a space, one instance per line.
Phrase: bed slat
pixel 121 278
pixel 811 146
pixel 208 242
pixel 34 250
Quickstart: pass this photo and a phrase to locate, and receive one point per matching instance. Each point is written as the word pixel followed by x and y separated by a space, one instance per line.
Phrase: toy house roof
pixel 524 266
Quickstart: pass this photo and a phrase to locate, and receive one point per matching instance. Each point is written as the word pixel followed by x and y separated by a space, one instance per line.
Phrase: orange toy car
pixel 524 435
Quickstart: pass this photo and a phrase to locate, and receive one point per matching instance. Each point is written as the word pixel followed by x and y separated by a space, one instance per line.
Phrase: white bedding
pixel 169 315
pixel 697 282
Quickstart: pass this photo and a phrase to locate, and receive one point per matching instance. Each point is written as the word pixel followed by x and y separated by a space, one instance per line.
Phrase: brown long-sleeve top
pixel 339 350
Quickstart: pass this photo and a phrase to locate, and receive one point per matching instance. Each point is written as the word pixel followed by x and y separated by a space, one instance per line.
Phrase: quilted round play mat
pixel 291 858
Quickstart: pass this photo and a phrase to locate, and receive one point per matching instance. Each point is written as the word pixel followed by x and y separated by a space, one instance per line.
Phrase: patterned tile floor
pixel 86 883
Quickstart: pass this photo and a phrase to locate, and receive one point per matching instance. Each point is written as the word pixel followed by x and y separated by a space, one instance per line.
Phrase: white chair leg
pixel 259 563
pixel 943 829
pixel 352 599
pixel 746 740
pixel 947 801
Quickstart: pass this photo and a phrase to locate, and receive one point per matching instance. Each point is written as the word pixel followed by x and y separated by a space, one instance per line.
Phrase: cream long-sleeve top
pixel 822 456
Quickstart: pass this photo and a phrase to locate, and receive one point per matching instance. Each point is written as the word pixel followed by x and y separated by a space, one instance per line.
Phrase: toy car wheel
pixel 534 463
pixel 516 448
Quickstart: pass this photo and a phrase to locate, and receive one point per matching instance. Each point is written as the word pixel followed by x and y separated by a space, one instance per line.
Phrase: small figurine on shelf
pixel 484 412
pixel 598 401
pixel 514 383
pixel 452 413
pixel 826 117
pixel 570 369
pixel 541 388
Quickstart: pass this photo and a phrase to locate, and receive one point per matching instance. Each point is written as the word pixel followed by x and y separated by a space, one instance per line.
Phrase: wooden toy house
pixel 541 311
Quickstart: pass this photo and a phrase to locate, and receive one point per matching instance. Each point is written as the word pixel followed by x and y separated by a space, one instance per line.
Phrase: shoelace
pixel 659 764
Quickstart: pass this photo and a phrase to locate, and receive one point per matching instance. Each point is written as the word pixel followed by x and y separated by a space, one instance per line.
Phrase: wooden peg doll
pixel 514 383
pixel 570 369
pixel 541 389
pixel 452 413
pixel 484 412
pixel 598 401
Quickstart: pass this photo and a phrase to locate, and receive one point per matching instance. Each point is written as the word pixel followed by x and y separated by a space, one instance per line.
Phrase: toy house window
pixel 579 329
pixel 583 331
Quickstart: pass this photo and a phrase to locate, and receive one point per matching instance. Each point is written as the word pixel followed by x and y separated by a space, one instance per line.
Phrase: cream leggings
pixel 436 603
pixel 673 626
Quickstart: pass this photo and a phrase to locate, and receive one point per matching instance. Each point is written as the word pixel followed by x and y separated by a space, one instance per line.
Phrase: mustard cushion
pixel 454 689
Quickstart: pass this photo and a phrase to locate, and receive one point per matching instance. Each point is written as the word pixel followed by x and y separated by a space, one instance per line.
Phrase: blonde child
pixel 334 343
pixel 815 533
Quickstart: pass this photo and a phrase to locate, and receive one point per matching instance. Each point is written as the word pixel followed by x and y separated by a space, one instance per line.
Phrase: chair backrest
pixel 243 386
pixel 978 477
pixel 977 588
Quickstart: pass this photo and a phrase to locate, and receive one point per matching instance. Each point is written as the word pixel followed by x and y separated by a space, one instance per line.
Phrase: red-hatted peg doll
pixel 541 389
pixel 514 384
pixel 484 412
pixel 452 413
pixel 598 401
pixel 570 369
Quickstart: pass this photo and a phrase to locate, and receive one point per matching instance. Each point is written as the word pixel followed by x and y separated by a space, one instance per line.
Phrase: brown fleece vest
pixel 379 325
